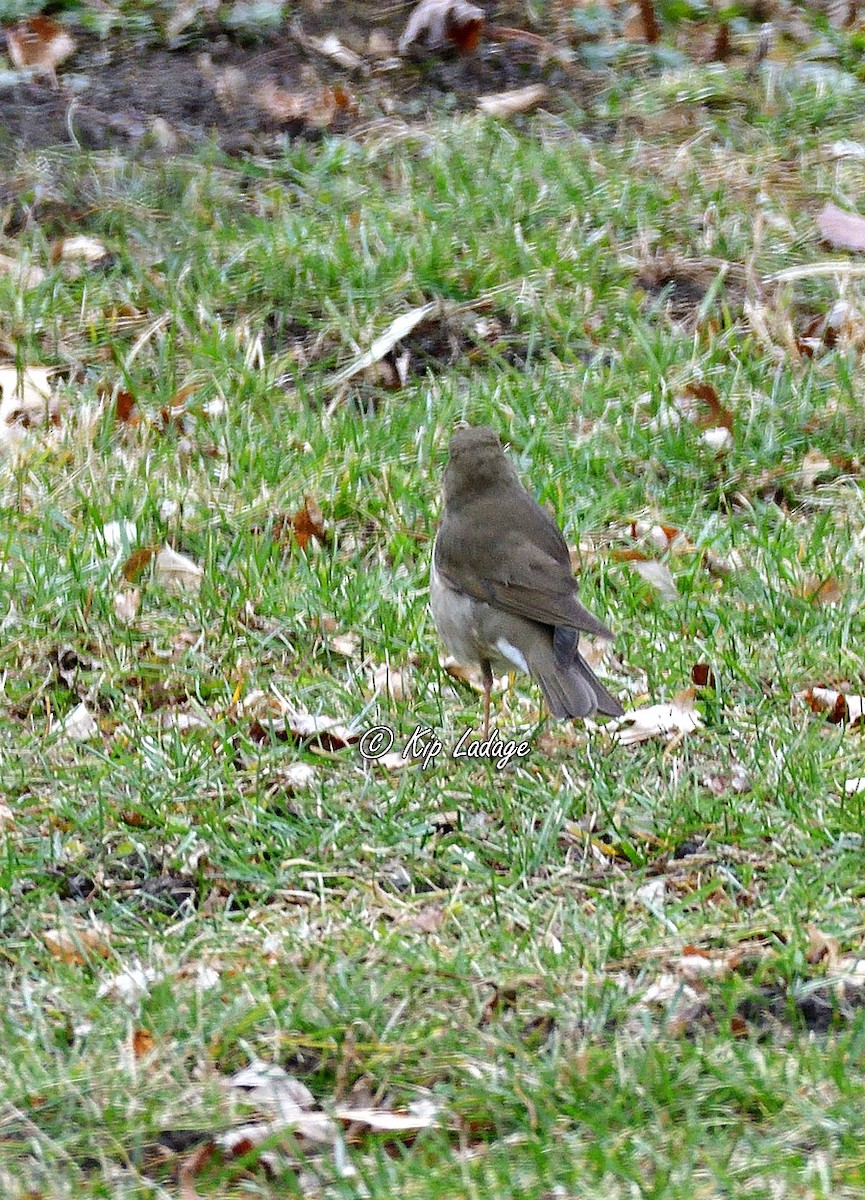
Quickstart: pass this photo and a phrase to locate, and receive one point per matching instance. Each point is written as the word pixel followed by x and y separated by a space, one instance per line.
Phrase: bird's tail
pixel 574 690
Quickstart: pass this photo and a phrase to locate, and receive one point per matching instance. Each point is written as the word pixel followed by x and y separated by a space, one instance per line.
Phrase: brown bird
pixel 502 592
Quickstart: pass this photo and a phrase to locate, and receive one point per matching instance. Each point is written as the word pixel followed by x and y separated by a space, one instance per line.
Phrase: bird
pixel 502 592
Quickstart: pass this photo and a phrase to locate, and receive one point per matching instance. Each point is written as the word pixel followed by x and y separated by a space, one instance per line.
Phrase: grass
pixel 474 935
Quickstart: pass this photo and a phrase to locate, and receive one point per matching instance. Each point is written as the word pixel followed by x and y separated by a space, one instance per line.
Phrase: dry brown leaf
pixel 39 44
pixel 702 675
pixel 697 965
pixel 308 523
pixel 662 537
pixel 383 1120
pixel 74 943
pixel 840 708
pixel 394 682
pixel 398 329
pixel 841 229
pixel 192 1166
pixel 439 24
pixel 822 590
pixel 713 415
pixel 642 25
pixel 331 47
pixel 516 100
pixel 136 563
pixel 143 1042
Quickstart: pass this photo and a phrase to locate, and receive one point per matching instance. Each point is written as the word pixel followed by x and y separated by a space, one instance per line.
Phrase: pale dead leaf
pixel 853 787
pixel 658 576
pixel 516 100
pixel 717 438
pixel 7 817
pixel 130 986
pixel 78 725
pixel 698 965
pixel 317 109
pixel 394 682
pixel 331 47
pixel 177 573
pixel 822 948
pixel 346 644
pixel 659 720
pixel 398 329
pixel 438 24
pixel 26 401
pixel 384 1120
pixel 25 275
pixel 814 464
pixel 841 229
pixel 79 248
pixel 126 604
pixel 324 731
pixel 297 776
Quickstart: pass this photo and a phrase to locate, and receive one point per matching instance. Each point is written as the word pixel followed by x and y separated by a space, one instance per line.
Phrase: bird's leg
pixel 487 676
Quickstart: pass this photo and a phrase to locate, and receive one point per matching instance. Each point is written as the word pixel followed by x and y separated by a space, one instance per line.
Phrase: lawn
pixel 605 969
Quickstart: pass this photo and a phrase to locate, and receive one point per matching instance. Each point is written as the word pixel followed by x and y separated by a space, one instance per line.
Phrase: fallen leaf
pixel 126 604
pixel 822 591
pixel 73 943
pixel 394 682
pixel 643 23
pixel 659 576
pixel 26 401
pixel 331 47
pixel 136 562
pixel 822 948
pixel 308 523
pixel 840 708
pixel 143 1043
pixel 177 573
pixel 78 725
pixel 439 24
pixel 516 100
pixel 131 985
pixel 25 276
pixel 399 328
pixel 814 464
pixel 702 675
pixel 853 787
pixel 192 1166
pixel 670 721
pixel 325 731
pixel 39 44
pixel 78 248
pixel 841 229
pixel 316 109
pixel 708 412
pixel 384 1120
pixel 346 644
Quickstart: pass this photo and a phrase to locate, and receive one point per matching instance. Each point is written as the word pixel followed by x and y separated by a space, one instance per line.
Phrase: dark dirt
pixel 133 94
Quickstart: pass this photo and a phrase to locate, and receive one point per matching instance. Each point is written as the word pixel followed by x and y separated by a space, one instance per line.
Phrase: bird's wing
pixel 524 570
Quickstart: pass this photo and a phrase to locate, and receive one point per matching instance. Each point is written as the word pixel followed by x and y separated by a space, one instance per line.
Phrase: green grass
pixel 361 926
